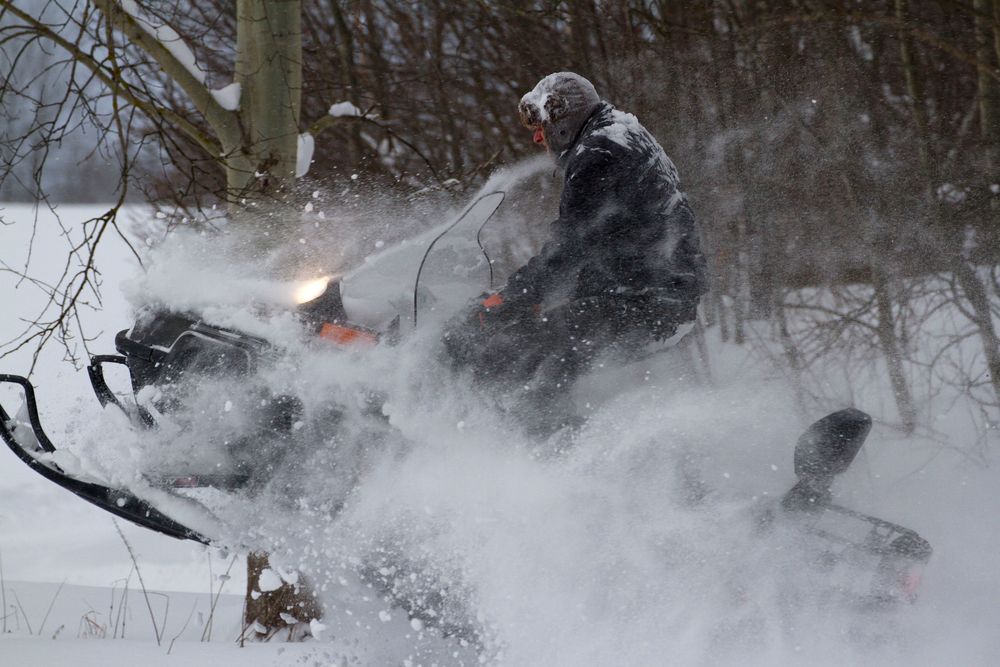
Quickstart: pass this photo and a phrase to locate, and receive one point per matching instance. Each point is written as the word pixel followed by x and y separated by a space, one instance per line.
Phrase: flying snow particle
pixel 384 616
pixel 951 194
pixel 269 580
pixel 416 624
pixel 316 629
pixel 289 576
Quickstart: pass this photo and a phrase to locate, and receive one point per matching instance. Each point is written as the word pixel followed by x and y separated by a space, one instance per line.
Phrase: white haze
pixel 636 541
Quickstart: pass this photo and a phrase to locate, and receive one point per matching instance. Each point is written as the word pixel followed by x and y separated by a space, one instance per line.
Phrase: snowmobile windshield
pixel 456 266
pixel 427 278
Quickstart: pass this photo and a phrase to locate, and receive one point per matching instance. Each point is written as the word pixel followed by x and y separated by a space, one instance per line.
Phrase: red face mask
pixel 539 137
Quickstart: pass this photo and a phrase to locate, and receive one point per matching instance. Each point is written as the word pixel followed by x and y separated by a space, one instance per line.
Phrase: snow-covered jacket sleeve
pixel 589 183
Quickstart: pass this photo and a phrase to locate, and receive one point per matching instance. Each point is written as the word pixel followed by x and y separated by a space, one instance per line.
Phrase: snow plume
pixel 437 532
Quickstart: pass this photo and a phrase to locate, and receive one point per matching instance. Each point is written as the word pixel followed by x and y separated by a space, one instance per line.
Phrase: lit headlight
pixel 307 290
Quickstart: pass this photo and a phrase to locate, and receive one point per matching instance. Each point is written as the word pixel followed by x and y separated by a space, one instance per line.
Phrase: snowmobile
pixel 429 277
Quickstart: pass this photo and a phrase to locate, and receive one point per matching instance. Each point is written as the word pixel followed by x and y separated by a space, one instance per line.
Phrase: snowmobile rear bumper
pixel 116 501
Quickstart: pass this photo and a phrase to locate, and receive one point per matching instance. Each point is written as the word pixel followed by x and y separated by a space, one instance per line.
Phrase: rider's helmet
pixel 559 105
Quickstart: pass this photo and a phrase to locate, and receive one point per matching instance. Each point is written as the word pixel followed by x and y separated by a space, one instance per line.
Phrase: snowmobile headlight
pixel 307 290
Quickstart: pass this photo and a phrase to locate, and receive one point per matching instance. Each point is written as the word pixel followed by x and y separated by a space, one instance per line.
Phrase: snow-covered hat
pixel 560 104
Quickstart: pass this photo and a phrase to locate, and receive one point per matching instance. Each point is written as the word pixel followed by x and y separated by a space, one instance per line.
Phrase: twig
pixel 142 584
pixel 243 632
pixel 183 627
pixel 211 583
pixel 206 635
pixel 26 621
pixel 3 595
pixel 166 611
pixel 51 604
pixel 88 627
pixel 121 605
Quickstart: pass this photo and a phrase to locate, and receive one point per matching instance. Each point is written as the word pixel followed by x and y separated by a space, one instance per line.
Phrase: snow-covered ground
pixel 592 556
pixel 46 534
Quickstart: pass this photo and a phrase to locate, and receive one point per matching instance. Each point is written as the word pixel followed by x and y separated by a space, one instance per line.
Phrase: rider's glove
pixel 495 311
pixel 492 310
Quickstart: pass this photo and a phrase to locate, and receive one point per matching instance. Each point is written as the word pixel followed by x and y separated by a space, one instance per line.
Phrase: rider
pixel 622 267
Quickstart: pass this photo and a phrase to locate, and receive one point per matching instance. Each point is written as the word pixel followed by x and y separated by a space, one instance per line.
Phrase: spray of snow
pixel 423 514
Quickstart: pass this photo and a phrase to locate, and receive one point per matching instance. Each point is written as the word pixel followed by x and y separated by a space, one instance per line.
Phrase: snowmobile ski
pixel 116 501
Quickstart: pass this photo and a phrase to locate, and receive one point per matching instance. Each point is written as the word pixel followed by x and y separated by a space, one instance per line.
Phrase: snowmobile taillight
pixel 909 582
pixel 346 336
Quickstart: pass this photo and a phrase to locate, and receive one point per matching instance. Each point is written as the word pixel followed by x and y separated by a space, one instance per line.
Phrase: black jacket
pixel 624 226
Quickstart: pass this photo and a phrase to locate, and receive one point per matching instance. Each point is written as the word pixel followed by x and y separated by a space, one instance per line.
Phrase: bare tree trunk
pixel 267 608
pixel 988 57
pixel 792 355
pixel 269 71
pixel 976 294
pixel 740 284
pixel 914 86
pixel 972 286
pixel 886 331
pixel 345 52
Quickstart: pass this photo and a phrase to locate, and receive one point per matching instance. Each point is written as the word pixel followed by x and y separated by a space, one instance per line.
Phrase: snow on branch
pixel 228 97
pixel 303 157
pixel 307 142
pixel 121 87
pixel 345 109
pixel 342 112
pixel 166 36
